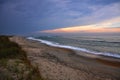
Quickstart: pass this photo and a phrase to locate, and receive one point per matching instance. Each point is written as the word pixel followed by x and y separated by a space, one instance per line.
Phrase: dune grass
pixel 14 64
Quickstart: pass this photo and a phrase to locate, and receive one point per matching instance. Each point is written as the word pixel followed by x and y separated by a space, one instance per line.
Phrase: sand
pixel 64 64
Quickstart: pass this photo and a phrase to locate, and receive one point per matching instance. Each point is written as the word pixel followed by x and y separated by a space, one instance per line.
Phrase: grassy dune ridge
pixel 14 64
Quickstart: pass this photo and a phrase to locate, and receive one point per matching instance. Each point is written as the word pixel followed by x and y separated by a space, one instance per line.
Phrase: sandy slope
pixel 63 64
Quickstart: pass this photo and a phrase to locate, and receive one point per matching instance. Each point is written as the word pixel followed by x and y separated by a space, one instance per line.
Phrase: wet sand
pixel 64 64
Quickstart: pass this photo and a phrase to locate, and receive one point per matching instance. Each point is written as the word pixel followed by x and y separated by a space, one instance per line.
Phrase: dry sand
pixel 63 64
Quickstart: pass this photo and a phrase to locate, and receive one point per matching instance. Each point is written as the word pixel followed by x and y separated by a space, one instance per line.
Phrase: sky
pixel 59 16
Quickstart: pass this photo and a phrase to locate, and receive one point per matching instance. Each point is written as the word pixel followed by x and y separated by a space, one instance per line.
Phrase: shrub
pixel 9 49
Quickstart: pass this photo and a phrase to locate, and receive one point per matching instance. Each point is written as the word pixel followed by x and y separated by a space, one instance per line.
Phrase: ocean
pixel 97 45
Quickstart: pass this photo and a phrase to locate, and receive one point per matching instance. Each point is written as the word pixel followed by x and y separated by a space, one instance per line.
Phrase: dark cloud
pixel 27 16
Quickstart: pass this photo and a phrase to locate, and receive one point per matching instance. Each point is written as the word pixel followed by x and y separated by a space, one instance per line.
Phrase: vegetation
pixel 14 64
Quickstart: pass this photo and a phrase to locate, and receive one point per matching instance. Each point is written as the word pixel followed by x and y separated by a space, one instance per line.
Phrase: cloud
pixel 32 15
pixel 83 29
pixel 78 14
pixel 103 27
pixel 100 13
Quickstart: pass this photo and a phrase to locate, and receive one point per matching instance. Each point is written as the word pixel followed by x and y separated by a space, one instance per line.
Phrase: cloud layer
pixel 27 16
pixel 107 26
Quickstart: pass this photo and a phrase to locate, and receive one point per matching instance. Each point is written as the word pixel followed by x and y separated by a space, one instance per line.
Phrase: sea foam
pixel 75 48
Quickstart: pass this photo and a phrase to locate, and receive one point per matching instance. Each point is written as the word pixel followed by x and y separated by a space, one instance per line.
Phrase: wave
pixel 116 55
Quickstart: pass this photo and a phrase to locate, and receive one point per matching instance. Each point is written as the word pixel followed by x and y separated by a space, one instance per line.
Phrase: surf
pixel 54 44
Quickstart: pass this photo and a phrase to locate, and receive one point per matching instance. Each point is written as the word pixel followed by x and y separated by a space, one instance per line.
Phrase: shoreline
pixel 104 59
pixel 55 63
pixel 90 52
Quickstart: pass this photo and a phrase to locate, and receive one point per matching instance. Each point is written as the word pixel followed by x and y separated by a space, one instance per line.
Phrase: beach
pixel 56 63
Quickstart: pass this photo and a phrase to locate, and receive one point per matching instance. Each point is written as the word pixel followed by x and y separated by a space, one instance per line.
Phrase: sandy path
pixel 63 64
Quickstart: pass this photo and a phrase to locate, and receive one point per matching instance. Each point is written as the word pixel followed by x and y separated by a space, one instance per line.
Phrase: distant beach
pixel 59 63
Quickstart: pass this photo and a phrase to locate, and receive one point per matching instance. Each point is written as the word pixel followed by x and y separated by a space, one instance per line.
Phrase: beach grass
pixel 14 64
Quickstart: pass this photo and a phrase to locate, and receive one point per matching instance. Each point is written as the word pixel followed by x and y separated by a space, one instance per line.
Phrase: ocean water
pixel 106 46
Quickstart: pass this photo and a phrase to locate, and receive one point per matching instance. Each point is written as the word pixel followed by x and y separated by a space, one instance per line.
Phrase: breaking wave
pixel 75 48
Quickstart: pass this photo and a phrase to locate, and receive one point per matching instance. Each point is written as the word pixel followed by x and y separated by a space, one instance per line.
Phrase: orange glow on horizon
pixel 103 27
pixel 82 29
